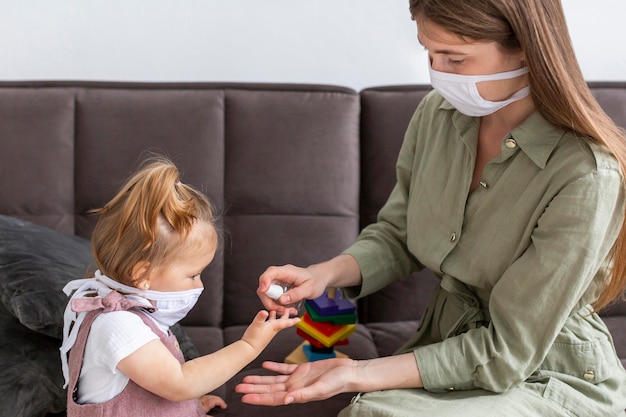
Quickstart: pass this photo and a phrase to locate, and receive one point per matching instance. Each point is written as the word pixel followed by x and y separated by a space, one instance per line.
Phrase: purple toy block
pixel 344 306
pixel 325 306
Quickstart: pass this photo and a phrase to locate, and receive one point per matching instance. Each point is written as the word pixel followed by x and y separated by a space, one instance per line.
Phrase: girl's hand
pixel 311 381
pixel 265 326
pixel 209 402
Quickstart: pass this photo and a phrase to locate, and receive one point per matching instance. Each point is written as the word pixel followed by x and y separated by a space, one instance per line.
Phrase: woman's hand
pixel 304 284
pixel 311 381
pixel 264 327
pixel 307 283
pixel 319 380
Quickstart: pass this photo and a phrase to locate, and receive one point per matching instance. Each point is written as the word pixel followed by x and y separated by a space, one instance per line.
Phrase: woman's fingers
pixel 279 367
pixel 265 380
pixel 276 398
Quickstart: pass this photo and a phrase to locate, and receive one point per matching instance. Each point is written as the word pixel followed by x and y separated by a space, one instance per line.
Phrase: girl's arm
pixel 155 369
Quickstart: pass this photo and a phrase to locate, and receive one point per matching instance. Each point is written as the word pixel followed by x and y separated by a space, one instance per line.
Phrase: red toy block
pixel 325 333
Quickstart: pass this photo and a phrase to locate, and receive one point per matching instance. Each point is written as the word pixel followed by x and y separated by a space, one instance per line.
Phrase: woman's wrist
pixel 389 372
pixel 340 271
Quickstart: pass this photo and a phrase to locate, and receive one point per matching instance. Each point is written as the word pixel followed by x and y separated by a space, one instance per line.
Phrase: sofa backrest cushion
pixel 279 162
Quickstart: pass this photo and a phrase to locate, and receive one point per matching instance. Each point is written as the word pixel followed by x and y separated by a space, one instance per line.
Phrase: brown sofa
pixel 295 170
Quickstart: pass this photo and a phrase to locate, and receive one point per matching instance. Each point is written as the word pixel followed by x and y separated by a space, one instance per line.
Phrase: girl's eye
pixel 456 61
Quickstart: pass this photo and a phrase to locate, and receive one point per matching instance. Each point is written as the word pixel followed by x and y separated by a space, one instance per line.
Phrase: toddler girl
pixel 151 243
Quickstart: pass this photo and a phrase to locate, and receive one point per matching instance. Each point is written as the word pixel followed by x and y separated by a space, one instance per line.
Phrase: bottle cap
pixel 275 291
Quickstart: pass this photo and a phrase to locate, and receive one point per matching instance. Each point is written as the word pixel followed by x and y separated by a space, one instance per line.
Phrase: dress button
pixel 510 143
pixel 589 375
pixel 484 184
pixel 452 237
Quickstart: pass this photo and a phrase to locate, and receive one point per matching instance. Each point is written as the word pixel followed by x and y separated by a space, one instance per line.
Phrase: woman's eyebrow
pixel 440 51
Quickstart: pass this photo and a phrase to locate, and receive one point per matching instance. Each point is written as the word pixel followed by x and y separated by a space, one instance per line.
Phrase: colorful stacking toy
pixel 328 322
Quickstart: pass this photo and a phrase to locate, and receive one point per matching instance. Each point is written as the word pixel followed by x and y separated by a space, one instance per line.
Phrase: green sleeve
pixel 381 250
pixel 531 302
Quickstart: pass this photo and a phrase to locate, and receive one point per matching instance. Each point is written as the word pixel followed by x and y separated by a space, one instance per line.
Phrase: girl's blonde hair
pixel 558 88
pixel 151 219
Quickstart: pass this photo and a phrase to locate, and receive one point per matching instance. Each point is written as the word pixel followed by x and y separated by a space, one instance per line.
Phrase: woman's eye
pixel 456 61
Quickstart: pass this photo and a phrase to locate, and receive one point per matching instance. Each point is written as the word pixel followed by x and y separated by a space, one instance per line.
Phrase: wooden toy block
pixel 323 305
pixel 331 303
pixel 347 318
pixel 320 350
pixel 297 356
pixel 325 333
pixel 308 338
pixel 345 306
pixel 325 328
pixel 313 342
pixel 312 355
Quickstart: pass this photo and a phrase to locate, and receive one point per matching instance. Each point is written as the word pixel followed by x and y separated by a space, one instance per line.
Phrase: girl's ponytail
pixel 147 220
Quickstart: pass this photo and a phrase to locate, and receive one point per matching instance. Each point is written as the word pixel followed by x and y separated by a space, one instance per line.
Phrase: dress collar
pixel 535 136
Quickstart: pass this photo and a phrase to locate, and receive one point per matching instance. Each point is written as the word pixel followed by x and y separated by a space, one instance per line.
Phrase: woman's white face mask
pixel 462 90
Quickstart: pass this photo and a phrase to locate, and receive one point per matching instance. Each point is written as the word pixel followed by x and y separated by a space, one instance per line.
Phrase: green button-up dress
pixel 510 330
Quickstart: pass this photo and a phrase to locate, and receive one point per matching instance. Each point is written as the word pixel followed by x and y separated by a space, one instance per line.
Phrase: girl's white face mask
pixel 171 307
pixel 462 92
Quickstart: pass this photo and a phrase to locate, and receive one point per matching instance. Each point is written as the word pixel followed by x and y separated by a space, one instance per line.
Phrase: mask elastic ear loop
pixel 447 76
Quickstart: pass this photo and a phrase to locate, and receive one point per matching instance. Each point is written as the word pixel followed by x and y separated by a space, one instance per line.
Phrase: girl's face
pixel 450 53
pixel 184 272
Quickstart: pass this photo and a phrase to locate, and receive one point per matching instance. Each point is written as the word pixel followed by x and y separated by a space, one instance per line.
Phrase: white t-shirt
pixel 113 337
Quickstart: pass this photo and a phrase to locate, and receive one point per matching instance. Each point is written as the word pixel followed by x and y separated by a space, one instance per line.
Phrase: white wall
pixel 355 43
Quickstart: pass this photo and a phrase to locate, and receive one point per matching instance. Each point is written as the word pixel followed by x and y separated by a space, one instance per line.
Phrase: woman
pixel 510 188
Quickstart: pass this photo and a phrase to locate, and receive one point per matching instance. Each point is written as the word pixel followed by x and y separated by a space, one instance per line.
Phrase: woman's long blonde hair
pixel 558 88
pixel 151 219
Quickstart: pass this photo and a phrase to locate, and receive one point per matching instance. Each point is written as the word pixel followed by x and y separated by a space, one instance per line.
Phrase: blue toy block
pixel 312 355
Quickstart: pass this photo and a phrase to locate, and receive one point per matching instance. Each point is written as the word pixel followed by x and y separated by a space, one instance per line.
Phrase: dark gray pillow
pixel 35 264
pixel 31 380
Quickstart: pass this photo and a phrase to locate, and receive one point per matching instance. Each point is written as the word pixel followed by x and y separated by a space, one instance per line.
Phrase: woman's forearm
pixel 391 372
pixel 340 271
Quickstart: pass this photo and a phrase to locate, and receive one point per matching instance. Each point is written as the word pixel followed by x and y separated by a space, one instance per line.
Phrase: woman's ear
pixel 138 275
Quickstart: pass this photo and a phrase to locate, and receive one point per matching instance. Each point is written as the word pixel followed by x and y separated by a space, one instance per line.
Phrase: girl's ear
pixel 138 275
